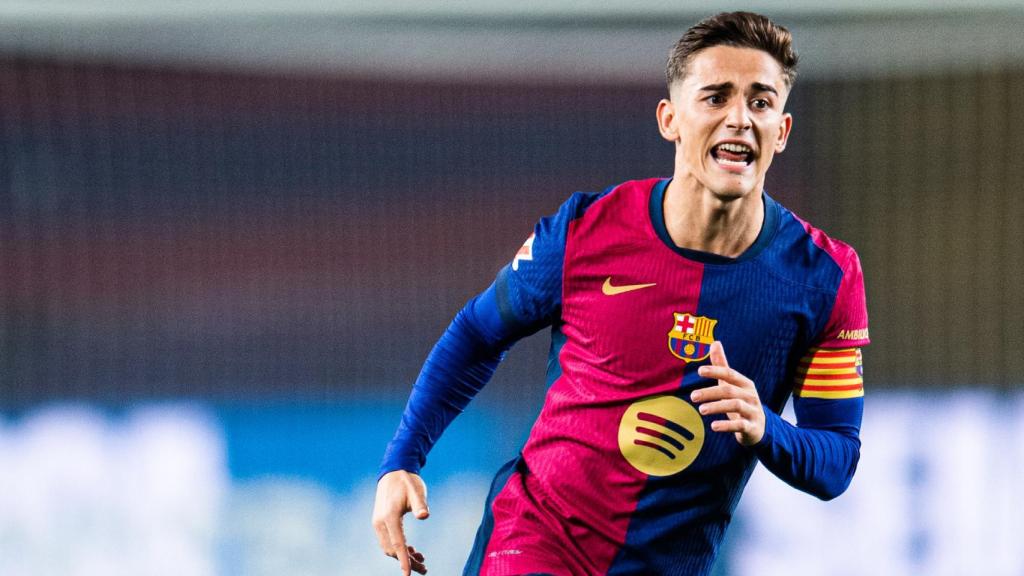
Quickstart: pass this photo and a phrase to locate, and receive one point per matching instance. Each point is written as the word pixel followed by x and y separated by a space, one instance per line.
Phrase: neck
pixel 698 219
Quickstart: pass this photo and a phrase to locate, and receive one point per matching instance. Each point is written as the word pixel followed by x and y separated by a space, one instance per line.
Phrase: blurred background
pixel 230 233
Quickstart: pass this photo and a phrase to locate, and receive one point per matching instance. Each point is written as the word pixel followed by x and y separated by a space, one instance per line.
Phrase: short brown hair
pixel 739 29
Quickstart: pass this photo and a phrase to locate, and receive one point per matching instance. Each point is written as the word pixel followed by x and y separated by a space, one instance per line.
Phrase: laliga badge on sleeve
pixel 525 253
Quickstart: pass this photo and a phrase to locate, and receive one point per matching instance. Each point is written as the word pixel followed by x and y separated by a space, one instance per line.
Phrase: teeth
pixel 731 162
pixel 738 148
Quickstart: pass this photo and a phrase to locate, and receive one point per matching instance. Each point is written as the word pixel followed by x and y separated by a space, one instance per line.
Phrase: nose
pixel 738 117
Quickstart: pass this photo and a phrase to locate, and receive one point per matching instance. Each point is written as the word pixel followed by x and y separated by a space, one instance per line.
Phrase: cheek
pixel 694 148
pixel 773 132
pixel 765 161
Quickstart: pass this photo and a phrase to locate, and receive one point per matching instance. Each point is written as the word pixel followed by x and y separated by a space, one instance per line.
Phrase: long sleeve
pixel 525 297
pixel 820 454
pixel 460 364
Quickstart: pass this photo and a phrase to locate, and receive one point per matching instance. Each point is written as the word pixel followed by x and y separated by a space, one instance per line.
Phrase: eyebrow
pixel 717 87
pixel 725 86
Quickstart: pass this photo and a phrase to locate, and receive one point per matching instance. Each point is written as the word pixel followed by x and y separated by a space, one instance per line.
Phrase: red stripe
pixel 829 376
pixel 815 358
pixel 608 503
pixel 834 353
pixel 830 388
pixel 823 365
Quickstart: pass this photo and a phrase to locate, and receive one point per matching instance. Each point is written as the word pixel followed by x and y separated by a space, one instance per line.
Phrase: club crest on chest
pixel 691 336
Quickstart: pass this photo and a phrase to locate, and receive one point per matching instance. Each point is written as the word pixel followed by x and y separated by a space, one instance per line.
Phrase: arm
pixel 525 297
pixel 458 367
pixel 461 362
pixel 818 456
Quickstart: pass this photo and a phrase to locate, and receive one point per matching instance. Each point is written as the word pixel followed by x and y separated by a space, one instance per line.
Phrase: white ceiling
pixel 96 9
pixel 580 41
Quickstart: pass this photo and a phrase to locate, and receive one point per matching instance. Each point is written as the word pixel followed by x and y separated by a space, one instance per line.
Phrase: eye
pixel 715 99
pixel 761 104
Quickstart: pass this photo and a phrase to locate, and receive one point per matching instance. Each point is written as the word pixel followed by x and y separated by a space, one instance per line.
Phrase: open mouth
pixel 733 155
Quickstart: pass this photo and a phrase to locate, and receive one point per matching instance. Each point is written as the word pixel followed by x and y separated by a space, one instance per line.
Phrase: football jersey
pixel 621 474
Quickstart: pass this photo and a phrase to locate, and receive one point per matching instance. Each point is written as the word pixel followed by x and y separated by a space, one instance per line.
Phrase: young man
pixel 649 433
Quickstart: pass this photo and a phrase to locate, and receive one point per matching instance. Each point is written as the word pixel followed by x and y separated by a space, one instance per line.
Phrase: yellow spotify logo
pixel 661 436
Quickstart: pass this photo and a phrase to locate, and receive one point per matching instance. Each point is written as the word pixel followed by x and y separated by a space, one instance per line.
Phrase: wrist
pixel 771 420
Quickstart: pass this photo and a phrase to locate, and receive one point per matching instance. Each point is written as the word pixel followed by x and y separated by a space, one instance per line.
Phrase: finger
pixel 418 500
pixel 724 374
pixel 722 391
pixel 416 561
pixel 729 406
pixel 382 537
pixel 718 354
pixel 397 535
pixel 738 425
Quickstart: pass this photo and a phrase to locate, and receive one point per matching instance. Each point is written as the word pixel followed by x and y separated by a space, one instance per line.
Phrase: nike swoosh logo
pixel 608 290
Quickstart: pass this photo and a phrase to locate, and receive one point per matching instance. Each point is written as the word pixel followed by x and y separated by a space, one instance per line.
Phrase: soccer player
pixel 650 430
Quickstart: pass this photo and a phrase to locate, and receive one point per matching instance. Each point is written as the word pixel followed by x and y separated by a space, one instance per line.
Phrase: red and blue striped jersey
pixel 620 473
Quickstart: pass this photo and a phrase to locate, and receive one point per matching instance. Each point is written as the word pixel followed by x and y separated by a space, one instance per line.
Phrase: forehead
pixel 739 66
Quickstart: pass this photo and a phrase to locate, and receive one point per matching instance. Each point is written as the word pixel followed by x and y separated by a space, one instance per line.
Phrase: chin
pixel 733 190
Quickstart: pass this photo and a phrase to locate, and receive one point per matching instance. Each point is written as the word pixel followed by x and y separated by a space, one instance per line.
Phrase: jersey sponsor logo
pixel 691 337
pixel 830 374
pixel 525 253
pixel 609 290
pixel 861 334
pixel 661 435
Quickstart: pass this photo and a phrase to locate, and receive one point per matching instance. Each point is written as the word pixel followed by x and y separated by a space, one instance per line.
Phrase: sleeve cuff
pixel 771 423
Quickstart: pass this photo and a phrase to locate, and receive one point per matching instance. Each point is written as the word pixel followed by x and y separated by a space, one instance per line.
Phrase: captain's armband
pixel 830 374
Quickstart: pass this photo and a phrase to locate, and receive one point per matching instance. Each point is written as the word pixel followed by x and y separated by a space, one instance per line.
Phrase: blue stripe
pixel 503 300
pixel 554 370
pixel 475 561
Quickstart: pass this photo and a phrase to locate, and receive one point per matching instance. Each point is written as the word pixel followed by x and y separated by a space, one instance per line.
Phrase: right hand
pixel 399 492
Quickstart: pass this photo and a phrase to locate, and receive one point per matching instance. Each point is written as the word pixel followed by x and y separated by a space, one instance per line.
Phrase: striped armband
pixel 828 373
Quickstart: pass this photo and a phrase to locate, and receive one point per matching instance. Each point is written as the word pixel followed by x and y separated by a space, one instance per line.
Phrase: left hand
pixel 735 396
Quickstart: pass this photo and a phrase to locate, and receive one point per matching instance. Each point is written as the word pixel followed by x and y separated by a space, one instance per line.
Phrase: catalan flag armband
pixel 832 374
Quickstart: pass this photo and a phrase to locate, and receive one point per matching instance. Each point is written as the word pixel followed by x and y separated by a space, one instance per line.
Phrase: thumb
pixel 718 355
pixel 418 500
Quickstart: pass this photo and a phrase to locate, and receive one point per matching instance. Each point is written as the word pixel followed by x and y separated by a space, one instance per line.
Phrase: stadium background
pixel 229 235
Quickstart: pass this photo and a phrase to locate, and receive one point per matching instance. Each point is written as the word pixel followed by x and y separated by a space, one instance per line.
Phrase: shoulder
pixel 807 252
pixel 630 191
pixel 847 323
pixel 550 233
pixel 618 207
pixel 831 269
pixel 838 251
pixel 804 254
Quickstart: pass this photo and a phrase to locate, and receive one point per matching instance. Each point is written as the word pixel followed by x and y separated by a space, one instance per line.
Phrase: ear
pixel 784 127
pixel 667 120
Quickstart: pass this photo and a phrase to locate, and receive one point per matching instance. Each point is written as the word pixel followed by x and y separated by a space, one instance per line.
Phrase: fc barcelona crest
pixel 691 337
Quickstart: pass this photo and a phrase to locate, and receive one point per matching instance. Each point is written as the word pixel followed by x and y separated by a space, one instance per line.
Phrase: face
pixel 726 119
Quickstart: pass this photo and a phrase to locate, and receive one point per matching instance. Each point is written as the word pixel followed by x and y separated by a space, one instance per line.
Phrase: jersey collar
pixel 764 237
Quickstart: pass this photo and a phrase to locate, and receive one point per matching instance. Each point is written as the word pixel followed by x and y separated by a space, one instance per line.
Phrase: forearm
pixel 818 461
pixel 460 364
